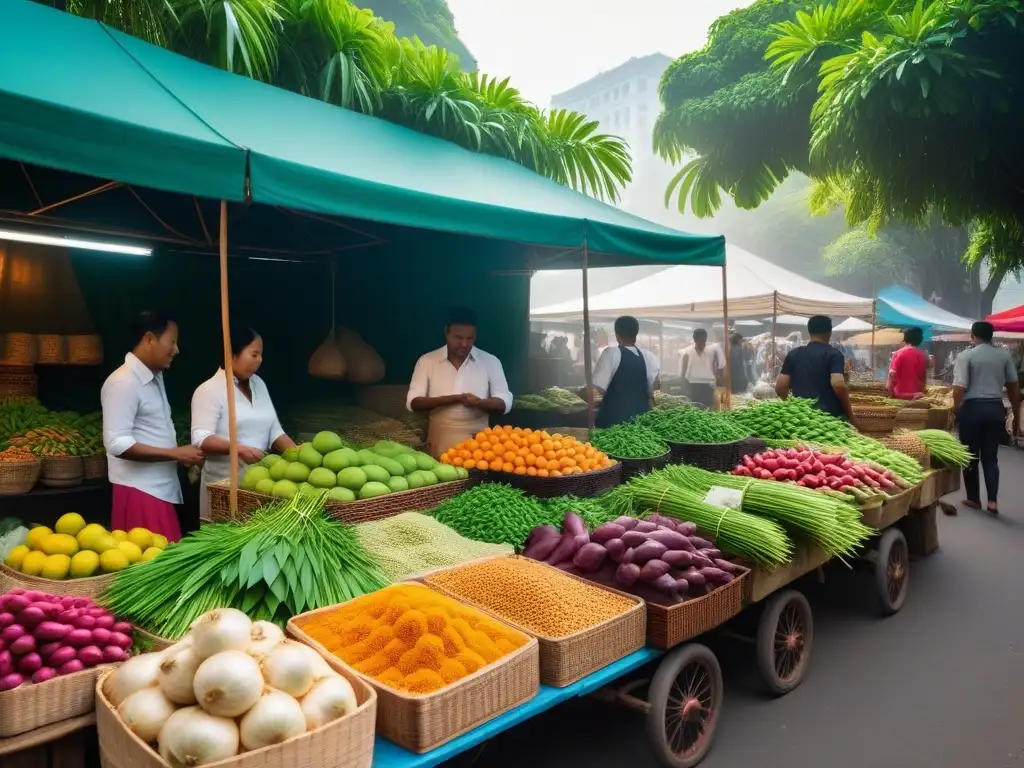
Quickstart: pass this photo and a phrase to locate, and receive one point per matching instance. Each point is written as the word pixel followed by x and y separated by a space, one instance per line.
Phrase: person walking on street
pixel 908 372
pixel 979 376
pixel 701 365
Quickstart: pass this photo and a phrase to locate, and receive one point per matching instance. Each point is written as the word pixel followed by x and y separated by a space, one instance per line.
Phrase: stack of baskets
pixel 913 416
pixel 62 472
pixel 875 419
pixel 17 477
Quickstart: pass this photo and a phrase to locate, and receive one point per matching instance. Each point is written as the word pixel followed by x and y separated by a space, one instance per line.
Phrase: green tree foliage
pixel 346 55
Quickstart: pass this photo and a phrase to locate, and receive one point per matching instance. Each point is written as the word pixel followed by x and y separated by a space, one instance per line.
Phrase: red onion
pixel 112 653
pixel 81 602
pixel 3 645
pixel 6 619
pixel 79 638
pixel 49 648
pixel 68 616
pixel 62 655
pixel 105 622
pixel 97 612
pixel 51 630
pixel 85 622
pixel 11 681
pixel 15 603
pixel 101 636
pixel 67 601
pixel 123 627
pixel 29 663
pixel 120 639
pixel 6 663
pixel 70 667
pixel 24 644
pixel 90 655
pixel 50 610
pixel 43 674
pixel 12 632
pixel 31 616
pixel 32 596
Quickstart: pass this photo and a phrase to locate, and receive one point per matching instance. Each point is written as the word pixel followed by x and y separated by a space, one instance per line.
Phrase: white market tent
pixel 852 324
pixel 755 288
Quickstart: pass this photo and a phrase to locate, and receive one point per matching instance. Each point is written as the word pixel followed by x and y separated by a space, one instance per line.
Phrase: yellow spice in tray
pixel 411 638
pixel 537 597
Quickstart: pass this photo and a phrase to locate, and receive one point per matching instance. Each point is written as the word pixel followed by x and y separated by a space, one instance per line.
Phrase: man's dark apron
pixel 628 393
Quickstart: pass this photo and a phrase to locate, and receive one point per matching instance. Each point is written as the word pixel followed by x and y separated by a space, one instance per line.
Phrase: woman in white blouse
pixel 259 429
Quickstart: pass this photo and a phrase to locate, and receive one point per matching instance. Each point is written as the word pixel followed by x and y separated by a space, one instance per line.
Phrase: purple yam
pixel 665 522
pixel 627 574
pixel 646 526
pixel 700 543
pixel 589 557
pixel 728 567
pixel 633 538
pixel 542 542
pixel 616 549
pixel 653 570
pixel 607 532
pixel 687 529
pixel 670 539
pixel 650 550
pixel 678 558
pixel 695 577
pixel 568 567
pixel 711 554
pixel 627 522
pixel 682 586
pixel 564 551
pixel 715 576
pixel 699 561
pixel 627 557
pixel 574 524
pixel 665 583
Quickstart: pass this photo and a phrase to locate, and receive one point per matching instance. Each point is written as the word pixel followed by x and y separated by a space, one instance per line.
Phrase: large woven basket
pixel 350 512
pixel 564 660
pixel 715 457
pixel 95 467
pixel 62 471
pixel 344 743
pixel 17 381
pixel 912 418
pixel 50 349
pixel 876 419
pixel 634 467
pixel 40 704
pixel 19 349
pixel 85 350
pixel 17 477
pixel 585 486
pixel 93 586
pixel 940 418
pixel 909 444
pixel 423 723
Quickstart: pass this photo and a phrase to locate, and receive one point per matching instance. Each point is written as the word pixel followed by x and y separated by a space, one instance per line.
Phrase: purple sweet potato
pixel 627 522
pixel 589 557
pixel 542 542
pixel 664 582
pixel 711 554
pixel 716 576
pixel 574 524
pixel 670 539
pixel 616 549
pixel 646 526
pixel 687 529
pixel 634 538
pixel 627 574
pixel 666 522
pixel 650 550
pixel 700 543
pixel 607 532
pixel 653 570
pixel 628 555
pixel 695 577
pixel 699 561
pixel 678 558
pixel 568 567
pixel 565 550
pixel 728 567
pixel 682 586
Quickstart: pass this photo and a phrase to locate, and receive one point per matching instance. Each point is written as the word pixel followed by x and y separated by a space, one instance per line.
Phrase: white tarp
pixel 756 288
pixel 852 324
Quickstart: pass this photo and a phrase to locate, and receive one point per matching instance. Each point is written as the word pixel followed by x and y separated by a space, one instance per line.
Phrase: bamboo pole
pixel 725 334
pixel 775 322
pixel 587 371
pixel 874 317
pixel 229 374
pixel 661 344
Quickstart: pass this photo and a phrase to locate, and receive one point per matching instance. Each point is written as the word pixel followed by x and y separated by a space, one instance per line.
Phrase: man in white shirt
pixel 625 376
pixel 701 365
pixel 458 385
pixel 139 435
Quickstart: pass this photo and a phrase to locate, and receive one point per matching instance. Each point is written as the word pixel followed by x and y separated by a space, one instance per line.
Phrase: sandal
pixel 971 504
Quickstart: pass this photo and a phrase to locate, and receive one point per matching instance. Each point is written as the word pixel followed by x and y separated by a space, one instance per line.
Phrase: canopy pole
pixel 661 345
pixel 725 335
pixel 587 362
pixel 229 374
pixel 775 322
pixel 874 317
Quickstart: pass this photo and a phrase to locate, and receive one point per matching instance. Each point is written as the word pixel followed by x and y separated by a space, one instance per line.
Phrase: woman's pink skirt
pixel 136 509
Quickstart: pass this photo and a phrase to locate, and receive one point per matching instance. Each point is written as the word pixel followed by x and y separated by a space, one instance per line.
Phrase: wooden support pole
pixel 229 374
pixel 775 322
pixel 588 372
pixel 874 317
pixel 727 400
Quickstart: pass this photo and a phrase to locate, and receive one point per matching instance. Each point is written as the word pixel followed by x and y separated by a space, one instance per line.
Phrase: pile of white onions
pixel 229 686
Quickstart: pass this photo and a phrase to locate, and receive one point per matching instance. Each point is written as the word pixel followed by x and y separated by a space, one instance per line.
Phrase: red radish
pixel 70 667
pixel 770 464
pixel 78 638
pixel 112 653
pixel 62 655
pixel 49 610
pixel 6 619
pixel 68 616
pixel 49 648
pixel 31 616
pixel 16 603
pixel 81 602
pixel 101 636
pixel 51 630
pixel 90 656
pixel 97 612
pixel 29 663
pixel 43 674
pixel 24 644
pixel 67 601
pixel 121 640
pixel 11 681
pixel 6 663
pixel 85 622
pixel 105 622
pixel 123 627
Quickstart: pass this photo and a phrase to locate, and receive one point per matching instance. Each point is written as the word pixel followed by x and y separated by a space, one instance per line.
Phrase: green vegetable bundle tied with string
pixel 288 558
pixel 945 447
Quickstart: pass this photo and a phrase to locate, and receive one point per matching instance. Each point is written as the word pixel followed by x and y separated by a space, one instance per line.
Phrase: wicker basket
pixel 17 477
pixel 910 445
pixel 912 418
pixel 634 467
pixel 876 419
pixel 564 660
pixel 715 457
pixel 62 471
pixel 40 704
pixel 95 467
pixel 940 418
pixel 422 723
pixel 344 743
pixel 92 586
pixel 50 349
pixel 585 486
pixel 150 642
pixel 85 350
pixel 19 349
pixel 18 381
pixel 350 512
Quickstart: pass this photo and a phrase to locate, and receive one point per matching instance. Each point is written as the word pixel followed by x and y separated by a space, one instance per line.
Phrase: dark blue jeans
pixel 982 425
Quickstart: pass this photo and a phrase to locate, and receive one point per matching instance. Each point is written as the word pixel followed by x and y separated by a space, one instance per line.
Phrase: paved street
pixel 941 684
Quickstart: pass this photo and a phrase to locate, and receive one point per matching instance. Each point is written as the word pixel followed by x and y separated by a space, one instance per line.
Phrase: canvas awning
pixel 900 306
pixel 1010 320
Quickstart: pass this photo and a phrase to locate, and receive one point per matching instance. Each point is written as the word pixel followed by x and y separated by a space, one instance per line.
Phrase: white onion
pixel 263 637
pixel 276 717
pixel 145 712
pixel 134 675
pixel 290 668
pixel 191 737
pixel 328 700
pixel 223 629
pixel 176 675
pixel 227 684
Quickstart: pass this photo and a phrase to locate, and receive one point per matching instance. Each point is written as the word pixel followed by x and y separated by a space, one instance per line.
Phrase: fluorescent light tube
pixel 70 242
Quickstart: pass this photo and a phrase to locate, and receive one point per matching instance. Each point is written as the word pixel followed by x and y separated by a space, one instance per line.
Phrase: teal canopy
pixel 144 115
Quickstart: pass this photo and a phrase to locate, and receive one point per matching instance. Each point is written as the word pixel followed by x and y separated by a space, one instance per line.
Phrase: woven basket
pixel 92 586
pixel 634 467
pixel 19 349
pixel 876 419
pixel 585 486
pixel 910 445
pixel 17 477
pixel 422 723
pixel 151 642
pixel 350 512
pixel 344 743
pixel 940 418
pixel 50 349
pixel 17 381
pixel 95 466
pixel 62 471
pixel 715 457
pixel 912 418
pixel 34 706
pixel 85 350
pixel 564 660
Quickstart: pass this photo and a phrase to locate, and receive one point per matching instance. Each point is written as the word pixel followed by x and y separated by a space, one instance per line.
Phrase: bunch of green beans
pixel 629 441
pixel 945 447
pixel 687 424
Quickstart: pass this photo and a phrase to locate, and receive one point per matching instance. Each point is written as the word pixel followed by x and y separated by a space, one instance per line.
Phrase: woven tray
pixel 350 512
pixel 95 467
pixel 634 467
pixel 17 477
pixel 876 419
pixel 344 743
pixel 423 723
pixel 89 587
pixel 62 471
pixel 715 457
pixel 564 660
pixel 583 486
pixel 33 706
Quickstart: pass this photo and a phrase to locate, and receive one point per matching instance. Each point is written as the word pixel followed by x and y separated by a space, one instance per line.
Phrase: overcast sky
pixel 548 46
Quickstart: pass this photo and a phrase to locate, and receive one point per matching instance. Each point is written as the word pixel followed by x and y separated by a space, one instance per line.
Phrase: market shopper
pixel 815 371
pixel 979 376
pixel 259 429
pixel 908 371
pixel 139 435
pixel 738 375
pixel 459 385
pixel 625 375
pixel 701 365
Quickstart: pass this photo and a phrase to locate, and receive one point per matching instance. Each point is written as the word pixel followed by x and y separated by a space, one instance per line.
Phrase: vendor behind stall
pixel 815 371
pixel 625 376
pixel 908 371
pixel 701 365
pixel 458 385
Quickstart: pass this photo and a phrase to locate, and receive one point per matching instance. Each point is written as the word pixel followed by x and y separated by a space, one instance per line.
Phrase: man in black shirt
pixel 815 371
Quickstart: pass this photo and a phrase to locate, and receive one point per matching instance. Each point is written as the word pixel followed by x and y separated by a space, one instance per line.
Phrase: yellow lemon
pixel 113 560
pixel 119 535
pixel 159 541
pixel 131 551
pixel 59 544
pixel 84 564
pixel 56 567
pixel 141 538
pixel 33 563
pixel 16 556
pixel 72 524
pixel 150 553
pixel 35 537
pixel 89 535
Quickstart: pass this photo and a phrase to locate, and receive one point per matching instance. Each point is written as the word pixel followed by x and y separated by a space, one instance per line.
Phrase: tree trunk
pixel 989 294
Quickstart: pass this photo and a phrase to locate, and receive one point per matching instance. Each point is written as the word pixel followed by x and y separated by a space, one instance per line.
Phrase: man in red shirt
pixel 908 373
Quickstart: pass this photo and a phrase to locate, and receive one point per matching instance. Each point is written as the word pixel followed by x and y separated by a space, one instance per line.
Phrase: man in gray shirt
pixel 979 376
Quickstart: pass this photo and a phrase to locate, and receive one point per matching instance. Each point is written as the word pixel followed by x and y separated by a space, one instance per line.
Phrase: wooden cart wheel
pixel 685 700
pixel 892 571
pixel 785 634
